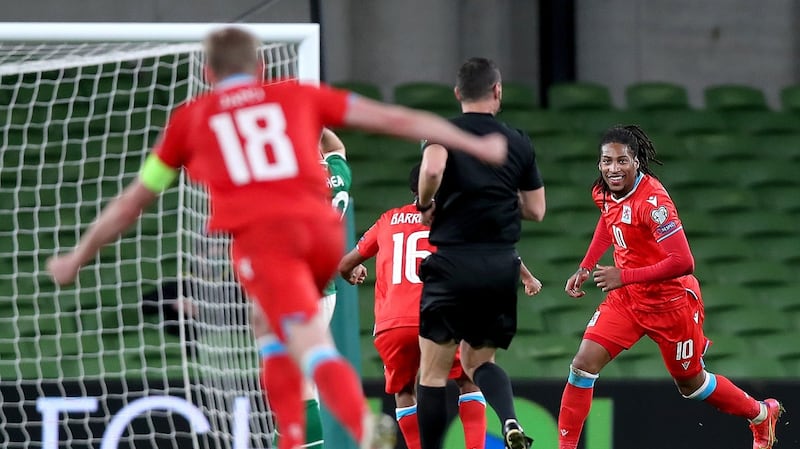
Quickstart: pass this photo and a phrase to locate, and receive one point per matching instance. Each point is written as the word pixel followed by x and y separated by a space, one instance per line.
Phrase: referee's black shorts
pixel 470 294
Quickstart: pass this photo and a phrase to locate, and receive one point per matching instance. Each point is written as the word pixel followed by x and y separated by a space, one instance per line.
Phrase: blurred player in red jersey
pixel 255 147
pixel 399 240
pixel 651 291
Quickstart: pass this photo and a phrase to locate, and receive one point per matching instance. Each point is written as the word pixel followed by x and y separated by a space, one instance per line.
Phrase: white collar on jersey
pixel 639 178
pixel 235 80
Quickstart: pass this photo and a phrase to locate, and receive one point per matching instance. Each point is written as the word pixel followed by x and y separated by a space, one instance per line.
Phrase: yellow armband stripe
pixel 156 175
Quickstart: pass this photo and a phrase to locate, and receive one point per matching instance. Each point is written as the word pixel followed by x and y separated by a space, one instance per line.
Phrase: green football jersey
pixel 340 178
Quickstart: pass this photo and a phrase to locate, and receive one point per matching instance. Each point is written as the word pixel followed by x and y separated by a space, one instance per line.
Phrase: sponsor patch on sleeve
pixel 666 228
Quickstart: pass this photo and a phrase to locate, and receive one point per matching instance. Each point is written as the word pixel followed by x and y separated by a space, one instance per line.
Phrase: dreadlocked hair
pixel 637 142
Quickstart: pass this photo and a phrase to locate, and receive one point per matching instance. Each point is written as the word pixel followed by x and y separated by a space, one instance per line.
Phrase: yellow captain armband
pixel 156 175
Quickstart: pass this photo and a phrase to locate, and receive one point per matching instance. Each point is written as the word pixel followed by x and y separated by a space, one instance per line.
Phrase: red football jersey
pixel 256 149
pixel 400 241
pixel 637 223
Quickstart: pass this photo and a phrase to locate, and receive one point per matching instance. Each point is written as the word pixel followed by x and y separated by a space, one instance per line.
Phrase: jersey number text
pixel 407 265
pixel 260 127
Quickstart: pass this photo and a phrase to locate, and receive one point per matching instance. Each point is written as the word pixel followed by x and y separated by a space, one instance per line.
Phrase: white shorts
pixel 327 304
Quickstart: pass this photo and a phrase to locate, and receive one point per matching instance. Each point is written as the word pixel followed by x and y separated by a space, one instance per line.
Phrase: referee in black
pixel 469 294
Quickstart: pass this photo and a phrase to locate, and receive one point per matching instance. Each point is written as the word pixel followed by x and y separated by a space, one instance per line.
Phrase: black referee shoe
pixel 514 437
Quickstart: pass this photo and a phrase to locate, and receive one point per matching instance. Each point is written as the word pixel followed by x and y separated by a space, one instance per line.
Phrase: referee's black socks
pixel 496 387
pixel 432 416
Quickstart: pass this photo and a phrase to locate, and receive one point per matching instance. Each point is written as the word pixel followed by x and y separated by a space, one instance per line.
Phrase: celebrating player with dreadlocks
pixel 651 291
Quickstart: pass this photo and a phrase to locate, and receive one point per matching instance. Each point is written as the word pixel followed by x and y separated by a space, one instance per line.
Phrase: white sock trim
pixel 762 414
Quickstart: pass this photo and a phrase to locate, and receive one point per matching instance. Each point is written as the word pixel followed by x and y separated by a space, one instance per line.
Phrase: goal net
pixel 151 348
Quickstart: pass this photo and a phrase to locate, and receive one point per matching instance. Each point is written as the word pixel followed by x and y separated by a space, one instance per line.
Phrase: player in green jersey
pixel 333 156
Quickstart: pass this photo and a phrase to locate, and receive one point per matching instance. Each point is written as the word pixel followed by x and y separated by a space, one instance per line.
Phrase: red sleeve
pixel 171 148
pixel 601 240
pixel 662 218
pixel 332 104
pixel 367 246
pixel 679 262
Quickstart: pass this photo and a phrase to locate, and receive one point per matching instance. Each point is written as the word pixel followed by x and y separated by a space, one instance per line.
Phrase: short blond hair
pixel 231 50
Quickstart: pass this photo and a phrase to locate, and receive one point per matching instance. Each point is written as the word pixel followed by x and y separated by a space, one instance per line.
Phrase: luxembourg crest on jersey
pixel 626 214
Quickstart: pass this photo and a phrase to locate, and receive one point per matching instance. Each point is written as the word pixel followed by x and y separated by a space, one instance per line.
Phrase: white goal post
pixel 151 348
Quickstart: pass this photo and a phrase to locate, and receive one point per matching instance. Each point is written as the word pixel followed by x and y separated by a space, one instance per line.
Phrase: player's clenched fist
pixel 64 268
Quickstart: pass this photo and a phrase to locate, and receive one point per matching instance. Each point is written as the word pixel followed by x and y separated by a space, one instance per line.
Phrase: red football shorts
pixel 677 332
pixel 285 264
pixel 399 350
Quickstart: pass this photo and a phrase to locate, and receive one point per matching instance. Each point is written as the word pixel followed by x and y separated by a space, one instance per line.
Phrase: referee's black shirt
pixel 478 203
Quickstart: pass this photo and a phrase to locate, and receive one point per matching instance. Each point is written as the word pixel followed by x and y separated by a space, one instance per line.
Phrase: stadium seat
pixel 531 323
pixel 519 96
pixel 537 122
pixel 648 367
pixel 568 322
pixel 557 249
pixel 721 297
pixel 668 146
pixel 597 121
pixel 371 364
pixel 752 273
pixel 391 149
pixel 782 249
pixel 711 250
pixel 722 146
pixel 785 147
pixel 716 199
pixel 576 223
pixel 780 346
pixel 766 172
pixel 545 346
pixel 654 95
pixel 790 98
pixel 727 346
pixel 747 321
pixel 363 88
pixel 568 198
pixel 761 122
pixel 759 224
pixel 643 348
pixel 577 147
pixel 579 95
pixel 684 123
pixel 734 97
pixel 780 199
pixel 749 367
pixel 435 97
pixel 680 175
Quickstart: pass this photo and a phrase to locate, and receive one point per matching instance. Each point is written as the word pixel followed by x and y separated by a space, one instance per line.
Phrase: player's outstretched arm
pixel 115 218
pixel 375 116
pixel 350 267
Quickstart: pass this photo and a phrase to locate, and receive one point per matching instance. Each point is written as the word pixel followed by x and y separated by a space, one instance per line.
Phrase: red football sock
pixel 340 390
pixel 409 427
pixel 575 405
pixel 282 383
pixel 729 398
pixel 473 417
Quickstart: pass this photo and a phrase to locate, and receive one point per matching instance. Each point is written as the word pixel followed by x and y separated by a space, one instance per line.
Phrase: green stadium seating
pixel 684 123
pixel 765 172
pixel 698 173
pixel 579 95
pixel 598 121
pixel 568 198
pixel 790 98
pixel 727 346
pixel 752 273
pixel 780 199
pixel 779 146
pixel 555 249
pixel 721 146
pixel 644 348
pixel 668 146
pixel 519 96
pixel 571 322
pixel 567 148
pixel 362 88
pixel 371 364
pixel 759 224
pixel 750 366
pixel 747 321
pixel 721 297
pixel 734 97
pixel 537 122
pixel 716 200
pixel 649 367
pixel 761 122
pixel 545 347
pixel 435 97
pixel 711 250
pixel 655 95
pixel 779 346
pixel 782 249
